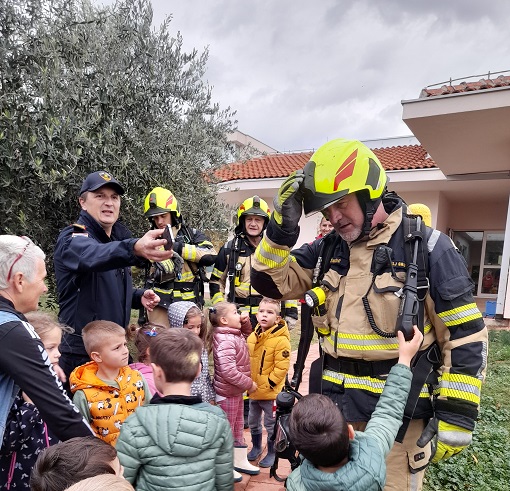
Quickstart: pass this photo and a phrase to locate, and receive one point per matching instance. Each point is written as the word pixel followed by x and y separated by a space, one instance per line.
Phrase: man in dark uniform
pixel 93 259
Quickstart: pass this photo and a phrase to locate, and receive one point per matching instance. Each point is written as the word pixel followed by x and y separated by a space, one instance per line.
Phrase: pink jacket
pixel 231 360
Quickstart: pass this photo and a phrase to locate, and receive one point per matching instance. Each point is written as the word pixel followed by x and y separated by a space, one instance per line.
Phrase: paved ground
pixel 262 481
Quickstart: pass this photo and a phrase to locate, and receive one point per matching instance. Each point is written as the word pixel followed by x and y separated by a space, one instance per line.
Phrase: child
pixel 269 347
pixel 337 457
pixel 232 373
pixel 106 390
pixel 101 483
pixel 177 441
pixel 143 337
pixel 190 316
pixel 26 434
pixel 67 463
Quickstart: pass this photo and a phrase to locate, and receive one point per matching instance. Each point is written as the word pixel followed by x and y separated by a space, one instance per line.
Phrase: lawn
pixel 484 465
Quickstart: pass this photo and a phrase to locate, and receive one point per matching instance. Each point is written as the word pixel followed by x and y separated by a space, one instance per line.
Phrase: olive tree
pixel 85 88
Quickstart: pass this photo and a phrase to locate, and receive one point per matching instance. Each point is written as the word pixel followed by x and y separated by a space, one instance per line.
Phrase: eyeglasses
pixel 19 256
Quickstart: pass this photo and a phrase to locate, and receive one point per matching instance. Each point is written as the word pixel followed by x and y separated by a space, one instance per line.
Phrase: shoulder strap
pixel 232 260
pixel 327 246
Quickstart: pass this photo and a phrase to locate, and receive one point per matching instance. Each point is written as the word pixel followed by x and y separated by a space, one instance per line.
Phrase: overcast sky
pixel 301 72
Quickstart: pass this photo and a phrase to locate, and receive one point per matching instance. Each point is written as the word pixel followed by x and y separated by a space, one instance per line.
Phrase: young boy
pixel 177 441
pixel 337 457
pixel 106 390
pixel 269 346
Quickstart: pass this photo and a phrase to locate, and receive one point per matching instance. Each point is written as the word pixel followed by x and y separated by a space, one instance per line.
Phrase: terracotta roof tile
pixel 281 165
pixel 482 84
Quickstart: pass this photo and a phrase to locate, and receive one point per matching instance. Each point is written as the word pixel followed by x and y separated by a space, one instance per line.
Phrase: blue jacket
pixel 94 281
pixel 366 468
pixel 24 365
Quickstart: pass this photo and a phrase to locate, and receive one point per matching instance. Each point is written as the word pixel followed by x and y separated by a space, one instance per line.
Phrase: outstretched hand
pixel 407 349
pixel 151 247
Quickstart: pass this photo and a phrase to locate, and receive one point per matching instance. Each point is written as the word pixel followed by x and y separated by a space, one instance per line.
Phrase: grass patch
pixel 484 465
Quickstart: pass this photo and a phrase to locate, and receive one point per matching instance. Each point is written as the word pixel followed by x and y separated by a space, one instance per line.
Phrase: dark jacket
pixel 93 273
pixel 24 365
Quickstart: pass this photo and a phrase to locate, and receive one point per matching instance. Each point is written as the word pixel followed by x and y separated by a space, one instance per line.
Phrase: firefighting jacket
pixel 94 281
pixel 451 319
pixel 246 296
pixel 108 406
pixel 269 360
pixel 197 251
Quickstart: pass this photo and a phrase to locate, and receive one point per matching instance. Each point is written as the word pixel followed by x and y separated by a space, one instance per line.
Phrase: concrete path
pixel 262 481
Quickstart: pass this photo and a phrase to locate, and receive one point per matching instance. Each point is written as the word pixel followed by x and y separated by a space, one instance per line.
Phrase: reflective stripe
pixel 375 385
pixel 216 272
pixel 160 290
pixel 184 295
pixel 365 342
pixel 244 287
pixel 271 256
pixel 462 314
pixel 206 245
pixel 189 252
pixel 290 303
pixel 186 276
pixel 460 387
pixel 434 237
pixel 246 308
pixel 218 297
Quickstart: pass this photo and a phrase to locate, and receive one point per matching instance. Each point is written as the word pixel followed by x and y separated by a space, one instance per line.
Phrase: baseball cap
pixel 99 179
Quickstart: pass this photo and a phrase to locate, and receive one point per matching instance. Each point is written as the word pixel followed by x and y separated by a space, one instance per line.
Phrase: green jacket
pixel 177 442
pixel 366 468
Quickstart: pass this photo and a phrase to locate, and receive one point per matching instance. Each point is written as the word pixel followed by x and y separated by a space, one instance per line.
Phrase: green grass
pixel 484 465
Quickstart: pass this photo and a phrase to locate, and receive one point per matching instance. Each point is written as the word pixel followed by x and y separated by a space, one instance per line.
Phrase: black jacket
pixel 94 281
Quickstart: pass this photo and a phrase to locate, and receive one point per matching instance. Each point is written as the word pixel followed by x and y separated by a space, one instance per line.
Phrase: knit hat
pixel 177 312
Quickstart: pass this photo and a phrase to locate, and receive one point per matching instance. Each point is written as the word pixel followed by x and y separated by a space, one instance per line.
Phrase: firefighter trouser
pixel 159 316
pixel 404 458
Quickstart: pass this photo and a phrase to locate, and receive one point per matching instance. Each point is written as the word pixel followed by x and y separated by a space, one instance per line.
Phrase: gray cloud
pixel 299 72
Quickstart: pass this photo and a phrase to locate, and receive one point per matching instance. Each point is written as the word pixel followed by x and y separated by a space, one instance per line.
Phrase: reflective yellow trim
pixel 164 292
pixel 184 295
pixel 217 298
pixel 459 315
pixel 459 386
pixel 186 276
pixel 189 252
pixel 290 303
pixel 271 256
pixel 370 384
pixel 244 287
pixel 216 272
pixel 363 342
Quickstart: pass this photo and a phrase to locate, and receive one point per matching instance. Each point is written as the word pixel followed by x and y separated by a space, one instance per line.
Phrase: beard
pixel 350 236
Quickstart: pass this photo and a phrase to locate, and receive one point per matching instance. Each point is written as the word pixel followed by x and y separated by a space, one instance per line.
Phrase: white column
pixel 502 305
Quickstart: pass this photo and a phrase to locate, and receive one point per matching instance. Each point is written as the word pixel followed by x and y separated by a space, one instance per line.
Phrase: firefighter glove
pixel 447 439
pixel 288 203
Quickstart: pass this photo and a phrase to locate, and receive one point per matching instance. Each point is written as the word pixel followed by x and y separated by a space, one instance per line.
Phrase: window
pixel 482 252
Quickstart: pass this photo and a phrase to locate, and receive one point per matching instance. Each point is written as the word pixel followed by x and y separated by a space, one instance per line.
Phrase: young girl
pixel 142 339
pixel 232 372
pixel 26 434
pixel 189 316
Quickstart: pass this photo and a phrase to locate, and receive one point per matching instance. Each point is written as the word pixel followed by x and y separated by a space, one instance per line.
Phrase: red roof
pixel 281 165
pixel 483 84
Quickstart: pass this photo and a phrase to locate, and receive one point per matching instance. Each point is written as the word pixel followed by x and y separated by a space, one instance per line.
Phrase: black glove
pixel 288 203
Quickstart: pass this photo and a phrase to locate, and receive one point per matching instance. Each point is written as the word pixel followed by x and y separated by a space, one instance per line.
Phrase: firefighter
pixel 358 272
pixel 234 263
pixel 182 276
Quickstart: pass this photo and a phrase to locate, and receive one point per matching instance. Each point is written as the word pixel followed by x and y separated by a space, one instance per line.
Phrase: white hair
pixel 11 247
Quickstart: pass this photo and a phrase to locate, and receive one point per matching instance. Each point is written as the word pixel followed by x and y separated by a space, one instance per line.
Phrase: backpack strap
pixel 231 270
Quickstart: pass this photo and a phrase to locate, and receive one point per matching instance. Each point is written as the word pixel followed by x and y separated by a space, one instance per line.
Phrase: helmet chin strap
pixel 368 207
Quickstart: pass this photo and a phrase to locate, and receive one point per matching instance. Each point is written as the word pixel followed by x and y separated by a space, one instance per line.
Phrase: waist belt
pixel 251 301
pixel 361 368
pixel 182 285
